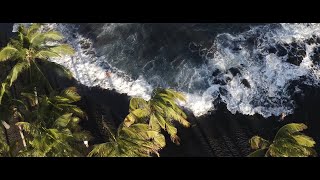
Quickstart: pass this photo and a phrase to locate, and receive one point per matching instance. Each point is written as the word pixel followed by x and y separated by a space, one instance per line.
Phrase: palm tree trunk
pixel 22 137
pixel 5 131
pixel 36 95
pixel 13 92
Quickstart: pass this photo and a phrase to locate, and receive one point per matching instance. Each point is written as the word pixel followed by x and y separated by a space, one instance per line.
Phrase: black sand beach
pixel 219 133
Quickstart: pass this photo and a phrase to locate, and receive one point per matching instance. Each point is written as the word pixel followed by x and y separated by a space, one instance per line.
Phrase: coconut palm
pixel 288 142
pixel 9 114
pixel 51 124
pixel 62 139
pixel 4 147
pixel 33 44
pixel 159 112
pixel 138 140
pixel 46 109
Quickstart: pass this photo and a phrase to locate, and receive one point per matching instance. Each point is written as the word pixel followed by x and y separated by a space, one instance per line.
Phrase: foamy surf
pixel 249 71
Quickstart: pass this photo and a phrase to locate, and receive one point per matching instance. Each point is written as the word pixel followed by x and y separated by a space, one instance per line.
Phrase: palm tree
pixel 51 124
pixel 159 112
pixel 63 139
pixel 4 147
pixel 288 142
pixel 33 44
pixel 9 114
pixel 138 140
pixel 48 108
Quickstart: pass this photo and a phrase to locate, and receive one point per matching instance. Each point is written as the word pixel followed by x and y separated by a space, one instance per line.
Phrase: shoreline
pixel 219 133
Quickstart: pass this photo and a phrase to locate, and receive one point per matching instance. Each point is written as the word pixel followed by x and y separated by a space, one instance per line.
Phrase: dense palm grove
pixel 41 121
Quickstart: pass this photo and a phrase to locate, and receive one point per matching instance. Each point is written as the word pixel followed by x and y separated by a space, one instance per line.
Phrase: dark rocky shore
pixel 219 133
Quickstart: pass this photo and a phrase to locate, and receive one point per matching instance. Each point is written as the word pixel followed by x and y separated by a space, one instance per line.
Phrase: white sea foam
pixel 267 74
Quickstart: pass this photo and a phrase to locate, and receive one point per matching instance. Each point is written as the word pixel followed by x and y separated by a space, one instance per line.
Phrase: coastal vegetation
pixel 288 142
pixel 41 121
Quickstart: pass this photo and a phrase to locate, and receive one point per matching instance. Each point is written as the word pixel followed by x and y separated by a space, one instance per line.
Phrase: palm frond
pixel 63 49
pixel 135 116
pixel 63 120
pixel 46 54
pixel 72 94
pixel 8 52
pixel 137 103
pixel 288 142
pixel 257 142
pixel 4 147
pixel 102 150
pixel 29 128
pixel 2 91
pixel 304 140
pixel 174 94
pixel 31 97
pixel 33 29
pixel 39 38
pixel 134 141
pixel 16 71
pixel 290 129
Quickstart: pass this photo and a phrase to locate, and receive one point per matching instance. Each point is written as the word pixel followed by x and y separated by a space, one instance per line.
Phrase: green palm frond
pixel 288 142
pixel 72 109
pixel 31 98
pixel 138 103
pixel 257 142
pixel 161 109
pixel 102 150
pixel 63 120
pixel 29 128
pixel 16 70
pixel 33 29
pixel 63 49
pixel 135 116
pixel 31 45
pixel 59 141
pixel 39 38
pixel 304 140
pixel 138 140
pixel 46 54
pixel 174 94
pixel 22 29
pixel 7 53
pixel 289 129
pixel 4 147
pixel 72 94
pixel 2 91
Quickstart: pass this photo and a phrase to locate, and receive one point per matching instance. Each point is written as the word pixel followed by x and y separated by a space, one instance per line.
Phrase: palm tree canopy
pixel 138 140
pixel 57 141
pixel 288 142
pixel 159 112
pixel 32 43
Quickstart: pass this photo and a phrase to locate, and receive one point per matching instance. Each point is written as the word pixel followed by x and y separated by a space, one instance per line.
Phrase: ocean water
pixel 249 67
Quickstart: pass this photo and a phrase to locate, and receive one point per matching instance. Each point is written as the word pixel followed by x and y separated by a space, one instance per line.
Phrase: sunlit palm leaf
pixel 16 71
pixel 2 91
pixel 290 129
pixel 289 142
pixel 7 53
pixel 39 38
pixel 257 142
pixel 63 49
pixel 71 94
pixel 138 103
